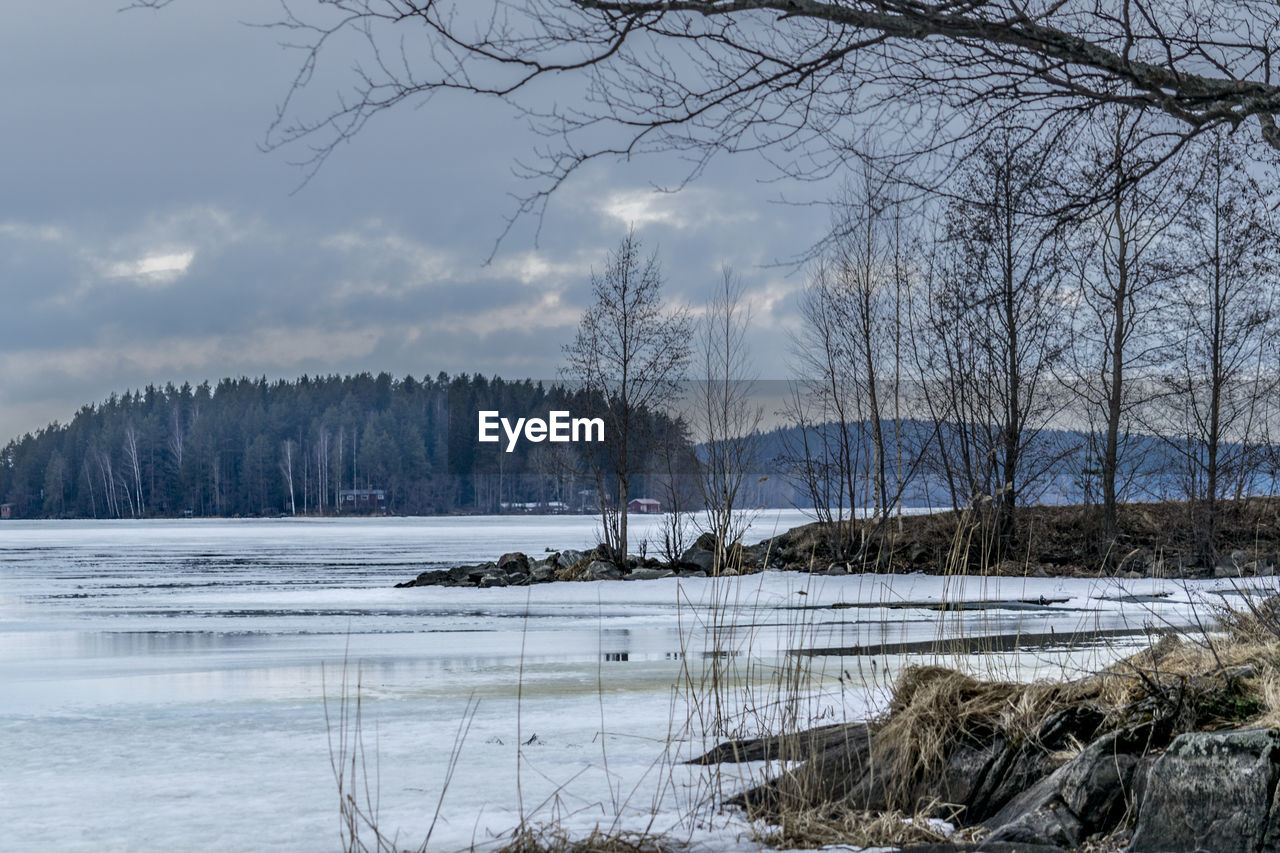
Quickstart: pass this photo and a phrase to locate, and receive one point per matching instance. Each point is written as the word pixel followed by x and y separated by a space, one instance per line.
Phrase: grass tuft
pixel 839 825
pixel 553 838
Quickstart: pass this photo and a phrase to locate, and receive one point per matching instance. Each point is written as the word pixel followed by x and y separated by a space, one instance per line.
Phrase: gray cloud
pixel 145 238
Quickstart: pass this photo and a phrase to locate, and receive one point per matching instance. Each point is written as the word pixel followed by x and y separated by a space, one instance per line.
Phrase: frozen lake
pixel 162 684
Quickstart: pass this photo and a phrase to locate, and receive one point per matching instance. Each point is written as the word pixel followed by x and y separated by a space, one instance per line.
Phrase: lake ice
pixel 162 683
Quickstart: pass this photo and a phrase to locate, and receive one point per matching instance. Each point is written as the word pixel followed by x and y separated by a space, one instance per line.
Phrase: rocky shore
pixel 1051 541
pixel 518 569
pixel 1173 749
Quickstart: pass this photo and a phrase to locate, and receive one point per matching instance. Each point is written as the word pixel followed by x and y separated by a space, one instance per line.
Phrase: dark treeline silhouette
pixel 317 445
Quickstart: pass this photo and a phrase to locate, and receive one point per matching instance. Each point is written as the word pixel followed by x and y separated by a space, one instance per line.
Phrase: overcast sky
pixel 146 238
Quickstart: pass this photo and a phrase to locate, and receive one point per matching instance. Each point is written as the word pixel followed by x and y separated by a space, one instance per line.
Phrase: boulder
pixel 699 558
pixel 513 562
pixel 432 578
pixel 705 542
pixel 470 574
pixel 542 572
pixel 599 570
pixel 493 579
pixel 647 574
pixel 566 559
pixel 1212 791
pixel 1084 796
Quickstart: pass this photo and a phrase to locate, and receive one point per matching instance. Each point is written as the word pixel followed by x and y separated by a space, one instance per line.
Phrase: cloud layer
pixel 145 237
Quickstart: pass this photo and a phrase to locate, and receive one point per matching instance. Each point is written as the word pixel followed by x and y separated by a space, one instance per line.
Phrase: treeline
pixel 248 447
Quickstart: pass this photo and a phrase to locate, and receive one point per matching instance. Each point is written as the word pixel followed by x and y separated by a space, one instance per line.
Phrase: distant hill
pixel 1152 467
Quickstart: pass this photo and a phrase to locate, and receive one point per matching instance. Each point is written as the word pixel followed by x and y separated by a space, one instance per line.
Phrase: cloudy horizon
pixel 146 237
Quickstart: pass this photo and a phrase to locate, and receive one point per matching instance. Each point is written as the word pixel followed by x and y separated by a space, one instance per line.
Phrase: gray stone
pixel 1211 791
pixel 436 578
pixel 491 580
pixel 649 574
pixel 700 558
pixel 568 558
pixel 705 542
pixel 542 573
pixel 599 570
pixel 1081 797
pixel 513 562
pixel 467 574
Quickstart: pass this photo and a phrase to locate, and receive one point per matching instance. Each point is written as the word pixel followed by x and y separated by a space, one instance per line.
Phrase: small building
pixel 362 500
pixel 6 511
pixel 644 506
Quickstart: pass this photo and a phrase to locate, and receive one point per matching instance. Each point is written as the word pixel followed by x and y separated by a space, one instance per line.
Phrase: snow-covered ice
pixel 162 684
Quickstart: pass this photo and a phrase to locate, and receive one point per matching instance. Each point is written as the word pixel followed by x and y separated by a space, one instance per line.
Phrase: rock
pixel 1212 791
pixel 1226 571
pixel 837 569
pixel 542 573
pixel 599 570
pixel 647 574
pixel 434 578
pixel 513 562
pixel 1080 798
pixel 568 558
pixel 1022 767
pixel 1133 576
pixel 491 580
pixel 699 558
pixel 705 542
pixel 471 574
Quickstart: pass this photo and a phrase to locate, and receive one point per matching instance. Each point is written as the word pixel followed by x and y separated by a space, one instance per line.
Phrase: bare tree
pixel 992 324
pixel 730 417
pixel 826 451
pixel 286 468
pixel 629 356
pixel 1123 257
pixel 853 335
pixel 133 456
pixel 1224 332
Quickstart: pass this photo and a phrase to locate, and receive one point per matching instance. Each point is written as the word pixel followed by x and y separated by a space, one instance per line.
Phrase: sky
pixel 146 237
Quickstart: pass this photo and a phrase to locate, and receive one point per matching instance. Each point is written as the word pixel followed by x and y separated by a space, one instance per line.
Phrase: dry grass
pixel 576 572
pixel 935 709
pixel 552 838
pixel 1225 679
pixel 839 825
